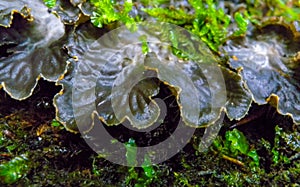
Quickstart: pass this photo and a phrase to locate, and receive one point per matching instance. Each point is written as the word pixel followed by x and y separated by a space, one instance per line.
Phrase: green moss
pixel 234 178
pixel 50 3
pixel 153 3
pixel 134 176
pixel 145 48
pixel 242 24
pixel 149 170
pixel 175 16
pixel 289 10
pixel 208 22
pixel 13 170
pixel 109 11
pixel 235 144
pixel 131 151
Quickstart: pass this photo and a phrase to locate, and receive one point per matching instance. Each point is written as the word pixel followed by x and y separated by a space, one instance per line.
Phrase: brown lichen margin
pixel 27 15
pixel 61 92
pixel 273 100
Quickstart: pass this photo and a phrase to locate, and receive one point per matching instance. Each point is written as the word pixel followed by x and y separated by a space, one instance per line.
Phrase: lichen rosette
pixel 105 73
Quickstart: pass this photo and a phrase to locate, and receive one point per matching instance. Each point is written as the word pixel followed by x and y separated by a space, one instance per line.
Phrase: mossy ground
pixel 55 157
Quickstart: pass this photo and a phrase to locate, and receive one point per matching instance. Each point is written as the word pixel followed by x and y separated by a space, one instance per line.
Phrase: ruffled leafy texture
pixel 238 96
pixel 30 49
pixel 77 43
pixel 106 70
pixel 270 65
pixel 68 12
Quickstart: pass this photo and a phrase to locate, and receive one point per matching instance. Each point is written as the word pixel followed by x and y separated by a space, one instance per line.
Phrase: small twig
pixel 250 118
pixel 233 160
pixel 245 120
